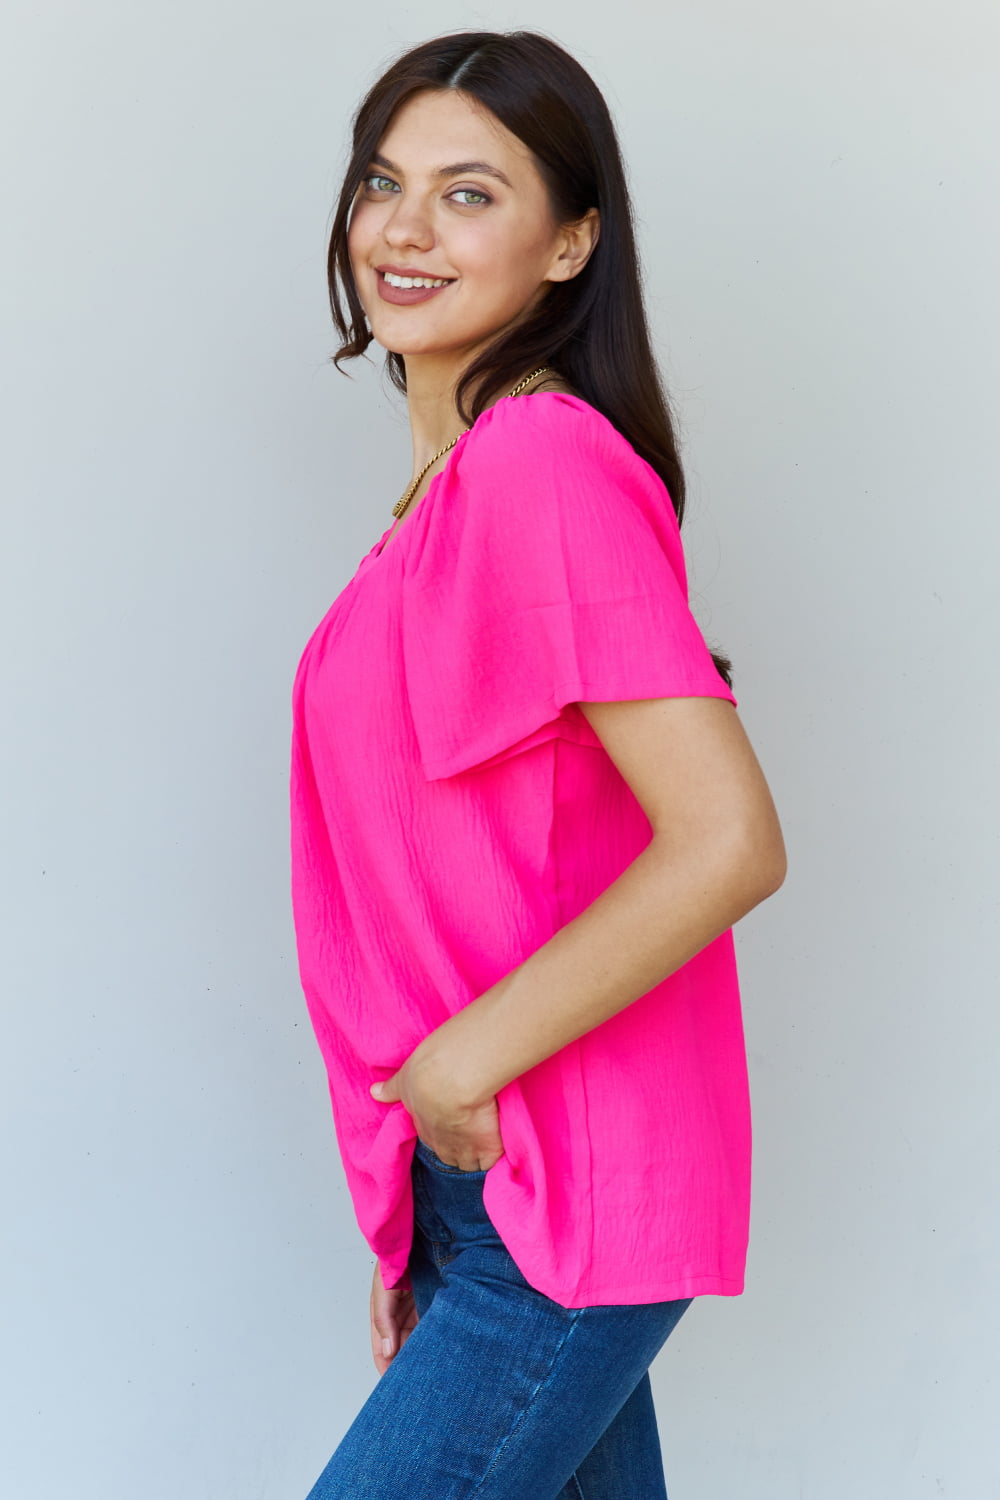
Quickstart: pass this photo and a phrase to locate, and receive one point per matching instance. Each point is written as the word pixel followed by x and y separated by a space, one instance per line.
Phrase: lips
pixel 406 296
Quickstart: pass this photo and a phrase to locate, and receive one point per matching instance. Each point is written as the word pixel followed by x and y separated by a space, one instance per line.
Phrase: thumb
pixel 386 1092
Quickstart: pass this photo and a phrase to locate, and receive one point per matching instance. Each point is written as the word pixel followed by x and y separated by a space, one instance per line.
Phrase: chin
pixel 415 346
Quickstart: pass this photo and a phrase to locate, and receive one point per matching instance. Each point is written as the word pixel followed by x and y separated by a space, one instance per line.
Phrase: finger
pixel 386 1090
pixel 391 1313
pixel 468 1158
pixel 407 1327
pixel 383 1328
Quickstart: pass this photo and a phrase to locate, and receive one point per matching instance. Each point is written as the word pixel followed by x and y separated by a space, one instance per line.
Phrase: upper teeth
pixel 408 281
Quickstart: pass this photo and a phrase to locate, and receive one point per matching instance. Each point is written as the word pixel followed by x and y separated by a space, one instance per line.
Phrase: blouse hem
pixel 631 1293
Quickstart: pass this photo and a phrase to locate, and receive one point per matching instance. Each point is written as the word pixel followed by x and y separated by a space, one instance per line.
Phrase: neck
pixel 431 381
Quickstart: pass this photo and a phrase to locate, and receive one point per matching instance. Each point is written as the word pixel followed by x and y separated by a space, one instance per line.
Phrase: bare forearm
pixel 659 913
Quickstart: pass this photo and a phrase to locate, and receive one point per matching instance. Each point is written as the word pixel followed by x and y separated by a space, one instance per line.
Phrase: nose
pixel 408 224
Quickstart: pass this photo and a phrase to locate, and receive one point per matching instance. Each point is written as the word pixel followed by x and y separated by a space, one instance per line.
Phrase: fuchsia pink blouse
pixel 451 809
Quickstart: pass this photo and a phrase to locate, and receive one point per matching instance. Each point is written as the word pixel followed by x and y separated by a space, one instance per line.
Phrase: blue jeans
pixel 499 1393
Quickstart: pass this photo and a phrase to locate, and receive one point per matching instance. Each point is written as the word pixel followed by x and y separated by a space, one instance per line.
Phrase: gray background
pixel 188 485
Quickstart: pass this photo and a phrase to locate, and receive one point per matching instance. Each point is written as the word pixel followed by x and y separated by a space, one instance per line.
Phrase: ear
pixel 576 245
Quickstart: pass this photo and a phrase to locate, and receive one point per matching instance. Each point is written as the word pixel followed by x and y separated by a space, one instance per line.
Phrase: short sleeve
pixel 550 572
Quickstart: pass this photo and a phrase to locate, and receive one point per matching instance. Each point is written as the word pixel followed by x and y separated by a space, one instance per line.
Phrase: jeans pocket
pixel 431 1159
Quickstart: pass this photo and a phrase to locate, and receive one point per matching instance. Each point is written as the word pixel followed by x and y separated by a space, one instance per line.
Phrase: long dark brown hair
pixel 591 329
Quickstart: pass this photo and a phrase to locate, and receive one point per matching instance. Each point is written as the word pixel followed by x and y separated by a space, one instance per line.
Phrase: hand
pixel 462 1132
pixel 394 1317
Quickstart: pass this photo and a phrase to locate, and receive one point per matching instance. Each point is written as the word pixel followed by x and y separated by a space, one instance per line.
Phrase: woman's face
pixel 451 194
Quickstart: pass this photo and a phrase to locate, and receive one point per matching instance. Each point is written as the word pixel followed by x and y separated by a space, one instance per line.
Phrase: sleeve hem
pixel 489 747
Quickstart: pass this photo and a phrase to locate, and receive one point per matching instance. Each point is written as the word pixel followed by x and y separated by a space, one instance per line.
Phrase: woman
pixel 525 815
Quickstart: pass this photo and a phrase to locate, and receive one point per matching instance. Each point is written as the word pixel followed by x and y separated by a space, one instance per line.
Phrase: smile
pixel 405 291
pixel 408 281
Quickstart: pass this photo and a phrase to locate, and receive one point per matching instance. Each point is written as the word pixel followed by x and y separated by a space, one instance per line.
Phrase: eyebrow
pixel 456 170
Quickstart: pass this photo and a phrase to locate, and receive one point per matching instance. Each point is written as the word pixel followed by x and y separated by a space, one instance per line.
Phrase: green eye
pixel 380 183
pixel 473 193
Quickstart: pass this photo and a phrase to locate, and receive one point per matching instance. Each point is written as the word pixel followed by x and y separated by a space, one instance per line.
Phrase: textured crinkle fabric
pixel 452 808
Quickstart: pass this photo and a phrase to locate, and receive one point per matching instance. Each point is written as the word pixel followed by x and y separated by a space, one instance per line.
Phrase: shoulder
pixel 557 444
pixel 550 416
pixel 546 501
pixel 546 424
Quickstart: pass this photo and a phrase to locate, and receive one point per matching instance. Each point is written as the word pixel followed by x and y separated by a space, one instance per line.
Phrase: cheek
pixel 354 235
pixel 360 253
pixel 360 231
pixel 512 263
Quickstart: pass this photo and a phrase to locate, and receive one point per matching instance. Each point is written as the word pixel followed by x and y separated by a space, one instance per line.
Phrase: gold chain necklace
pixel 408 495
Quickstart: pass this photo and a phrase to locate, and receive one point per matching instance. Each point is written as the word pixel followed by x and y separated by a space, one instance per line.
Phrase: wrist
pixel 450 1066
